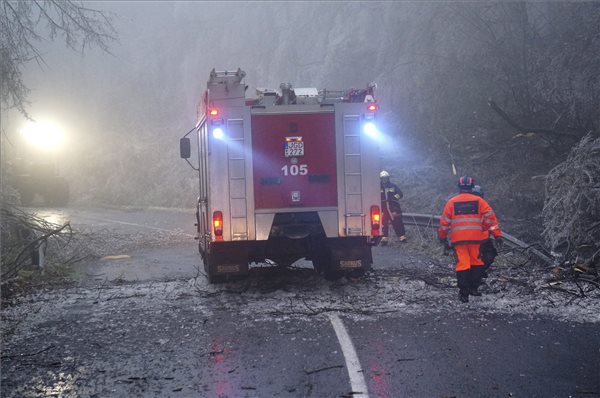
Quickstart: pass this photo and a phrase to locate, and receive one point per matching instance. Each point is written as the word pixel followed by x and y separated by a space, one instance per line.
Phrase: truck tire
pixel 357 273
pixel 216 279
pixel 321 260
pixel 323 265
pixel 333 274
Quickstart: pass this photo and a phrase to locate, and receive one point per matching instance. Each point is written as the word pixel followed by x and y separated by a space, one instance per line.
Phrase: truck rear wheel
pixel 323 264
pixel 216 279
pixel 332 274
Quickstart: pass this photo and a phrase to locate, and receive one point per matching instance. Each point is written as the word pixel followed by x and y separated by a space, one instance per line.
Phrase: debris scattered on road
pixel 309 372
pixel 115 257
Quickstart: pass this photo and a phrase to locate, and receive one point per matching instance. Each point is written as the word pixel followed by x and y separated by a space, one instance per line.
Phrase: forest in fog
pixel 498 90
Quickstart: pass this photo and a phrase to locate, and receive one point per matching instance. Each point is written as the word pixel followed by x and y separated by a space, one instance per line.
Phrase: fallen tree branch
pixel 25 235
pixel 572 205
pixel 309 372
pixel 29 354
pixel 560 289
pixel 34 244
pixel 522 129
pixel 325 310
pixel 590 282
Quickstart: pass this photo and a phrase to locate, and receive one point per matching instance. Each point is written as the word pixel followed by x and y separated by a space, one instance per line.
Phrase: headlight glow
pixel 43 135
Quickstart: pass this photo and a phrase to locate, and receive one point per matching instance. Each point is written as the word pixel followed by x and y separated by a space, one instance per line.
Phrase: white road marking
pixel 136 225
pixel 357 379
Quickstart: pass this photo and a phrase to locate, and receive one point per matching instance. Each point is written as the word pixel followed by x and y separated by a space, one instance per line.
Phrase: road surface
pixel 141 320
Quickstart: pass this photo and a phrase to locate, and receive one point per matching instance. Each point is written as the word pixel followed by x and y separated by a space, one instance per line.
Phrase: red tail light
pixel 218 225
pixel 372 107
pixel 213 112
pixel 375 220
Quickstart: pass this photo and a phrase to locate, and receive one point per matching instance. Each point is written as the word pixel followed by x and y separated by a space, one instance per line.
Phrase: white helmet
pixel 384 174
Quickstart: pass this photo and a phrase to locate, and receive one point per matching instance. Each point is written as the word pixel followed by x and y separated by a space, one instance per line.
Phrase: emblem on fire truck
pixel 295 196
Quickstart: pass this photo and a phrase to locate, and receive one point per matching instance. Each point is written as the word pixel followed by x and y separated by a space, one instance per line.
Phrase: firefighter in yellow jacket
pixel 467 219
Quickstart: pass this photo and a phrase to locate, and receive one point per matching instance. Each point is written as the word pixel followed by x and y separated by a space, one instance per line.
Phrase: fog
pixel 123 112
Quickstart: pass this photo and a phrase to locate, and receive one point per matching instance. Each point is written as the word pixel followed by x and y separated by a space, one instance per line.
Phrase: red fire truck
pixel 290 174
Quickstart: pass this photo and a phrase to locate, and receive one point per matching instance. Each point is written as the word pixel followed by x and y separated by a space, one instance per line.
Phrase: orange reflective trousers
pixel 467 255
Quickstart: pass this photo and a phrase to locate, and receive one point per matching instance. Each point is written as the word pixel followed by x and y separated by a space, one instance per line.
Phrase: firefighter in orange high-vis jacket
pixel 467 219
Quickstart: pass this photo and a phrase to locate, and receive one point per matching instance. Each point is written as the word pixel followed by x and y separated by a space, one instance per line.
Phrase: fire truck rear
pixel 290 174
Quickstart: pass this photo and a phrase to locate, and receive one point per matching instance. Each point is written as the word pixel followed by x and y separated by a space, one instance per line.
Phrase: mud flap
pixel 225 261
pixel 351 256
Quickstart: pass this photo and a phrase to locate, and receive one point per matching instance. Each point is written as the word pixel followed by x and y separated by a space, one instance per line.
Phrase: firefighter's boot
pixel 402 238
pixel 384 241
pixel 475 275
pixel 464 286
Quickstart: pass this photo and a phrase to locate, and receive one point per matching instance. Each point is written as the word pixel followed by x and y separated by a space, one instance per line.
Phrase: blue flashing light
pixel 218 133
pixel 370 129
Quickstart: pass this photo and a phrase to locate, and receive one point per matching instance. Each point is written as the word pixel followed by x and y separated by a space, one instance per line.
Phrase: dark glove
pixel 499 243
pixel 446 245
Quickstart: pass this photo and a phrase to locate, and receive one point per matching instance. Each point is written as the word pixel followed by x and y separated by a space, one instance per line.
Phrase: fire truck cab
pixel 289 174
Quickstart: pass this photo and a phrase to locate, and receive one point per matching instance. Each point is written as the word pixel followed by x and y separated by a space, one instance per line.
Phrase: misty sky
pixel 127 109
pixel 434 72
pixel 168 48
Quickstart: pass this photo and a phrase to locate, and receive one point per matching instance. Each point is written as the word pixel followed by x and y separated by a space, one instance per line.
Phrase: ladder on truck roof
pixel 286 95
pixel 350 95
pixel 226 76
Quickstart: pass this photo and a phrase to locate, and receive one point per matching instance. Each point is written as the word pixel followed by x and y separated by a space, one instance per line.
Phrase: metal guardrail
pixel 429 220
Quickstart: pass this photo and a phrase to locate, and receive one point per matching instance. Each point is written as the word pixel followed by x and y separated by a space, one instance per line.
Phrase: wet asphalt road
pixel 150 325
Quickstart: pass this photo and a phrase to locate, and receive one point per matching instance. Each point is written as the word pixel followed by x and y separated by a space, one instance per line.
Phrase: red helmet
pixel 465 183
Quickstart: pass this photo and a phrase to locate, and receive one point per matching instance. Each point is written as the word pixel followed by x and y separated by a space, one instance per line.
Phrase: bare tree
pixel 24 24
pixel 542 59
pixel 572 207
